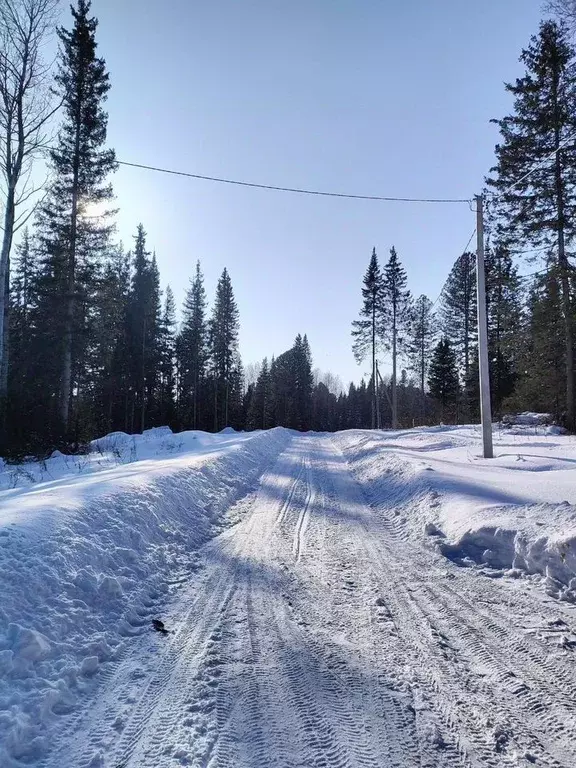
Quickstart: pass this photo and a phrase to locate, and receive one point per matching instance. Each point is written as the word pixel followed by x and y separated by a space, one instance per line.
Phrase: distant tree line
pixel 90 344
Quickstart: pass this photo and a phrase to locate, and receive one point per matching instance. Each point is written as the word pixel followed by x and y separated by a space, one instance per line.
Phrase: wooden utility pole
pixel 485 407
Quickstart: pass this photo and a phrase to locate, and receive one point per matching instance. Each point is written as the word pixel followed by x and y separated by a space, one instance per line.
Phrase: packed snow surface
pixel 358 600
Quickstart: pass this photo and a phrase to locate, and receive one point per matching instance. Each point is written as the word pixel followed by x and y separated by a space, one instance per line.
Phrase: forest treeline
pixel 89 343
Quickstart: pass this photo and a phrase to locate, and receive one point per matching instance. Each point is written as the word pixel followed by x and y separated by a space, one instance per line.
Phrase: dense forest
pixel 89 343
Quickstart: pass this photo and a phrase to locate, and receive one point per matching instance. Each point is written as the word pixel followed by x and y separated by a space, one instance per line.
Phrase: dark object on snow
pixel 159 626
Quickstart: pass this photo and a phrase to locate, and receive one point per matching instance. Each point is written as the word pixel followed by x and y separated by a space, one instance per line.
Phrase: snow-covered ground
pixel 515 513
pixel 354 600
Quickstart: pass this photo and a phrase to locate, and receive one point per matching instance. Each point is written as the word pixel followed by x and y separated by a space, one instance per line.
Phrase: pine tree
pixel 458 314
pixel 21 384
pixel 396 315
pixel 541 360
pixel 143 336
pixel 366 332
pixel 192 351
pixel 75 229
pixel 303 382
pixel 223 335
pixel 540 208
pixel 504 312
pixel 443 376
pixel 167 359
pixel 259 414
pixel 420 343
pixel 106 373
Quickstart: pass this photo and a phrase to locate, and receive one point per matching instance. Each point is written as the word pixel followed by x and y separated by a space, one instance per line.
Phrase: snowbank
pixel 89 552
pixel 514 515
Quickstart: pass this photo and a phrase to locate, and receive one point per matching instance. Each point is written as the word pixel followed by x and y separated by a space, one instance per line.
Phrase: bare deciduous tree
pixel 26 108
pixel 564 9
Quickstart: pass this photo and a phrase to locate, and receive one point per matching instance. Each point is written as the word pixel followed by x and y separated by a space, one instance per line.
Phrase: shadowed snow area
pixel 515 512
pixel 358 600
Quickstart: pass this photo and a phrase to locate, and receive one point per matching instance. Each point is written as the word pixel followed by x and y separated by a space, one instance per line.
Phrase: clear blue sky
pixel 362 96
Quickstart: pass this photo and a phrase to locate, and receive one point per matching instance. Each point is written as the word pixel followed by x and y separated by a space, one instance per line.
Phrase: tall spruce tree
pixel 458 315
pixel 443 376
pixel 73 220
pixel 223 336
pixel 396 315
pixel 541 358
pixel 108 347
pixel 367 331
pixel 143 320
pixel 303 383
pixel 167 361
pixel 192 353
pixel 540 207
pixel 504 313
pixel 420 343
pixel 292 384
pixel 259 414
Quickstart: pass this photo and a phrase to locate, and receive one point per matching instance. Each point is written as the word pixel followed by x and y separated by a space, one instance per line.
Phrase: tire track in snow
pixel 538 693
pixel 302 522
pixel 531 723
pixel 185 653
pixel 289 498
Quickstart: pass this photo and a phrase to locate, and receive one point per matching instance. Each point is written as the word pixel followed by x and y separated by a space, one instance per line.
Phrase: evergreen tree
pixel 443 376
pixel 420 343
pixel 366 332
pixel 458 314
pixel 223 333
pixel 107 363
pixel 21 384
pixel 75 230
pixel 143 336
pixel 542 363
pixel 259 414
pixel 324 409
pixel 504 313
pixel 540 208
pixel 396 315
pixel 167 359
pixel 303 382
pixel 292 385
pixel 193 352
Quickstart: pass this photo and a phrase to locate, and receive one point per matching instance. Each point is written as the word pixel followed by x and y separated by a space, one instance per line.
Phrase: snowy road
pixel 316 634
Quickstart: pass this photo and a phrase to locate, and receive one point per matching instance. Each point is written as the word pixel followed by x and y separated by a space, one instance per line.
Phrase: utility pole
pixel 485 407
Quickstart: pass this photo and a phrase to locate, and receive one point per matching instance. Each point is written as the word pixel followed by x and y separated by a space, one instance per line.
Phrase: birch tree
pixel 26 107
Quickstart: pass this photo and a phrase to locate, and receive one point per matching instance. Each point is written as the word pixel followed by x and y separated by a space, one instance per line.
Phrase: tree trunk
pixel 195 400
pixel 394 388
pixel 66 379
pixel 143 380
pixel 6 341
pixel 374 401
pixel 564 269
pixel 226 403
pixel 9 215
pixel 423 372
pixel 467 299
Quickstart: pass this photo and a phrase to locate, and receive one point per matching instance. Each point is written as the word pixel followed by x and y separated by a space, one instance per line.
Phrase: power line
pixel 495 196
pixel 463 252
pixel 532 274
pixel 296 190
